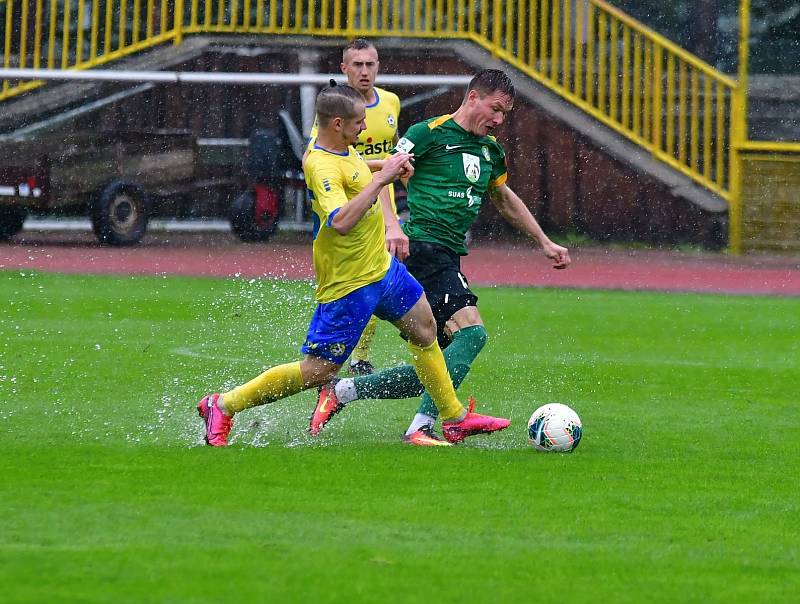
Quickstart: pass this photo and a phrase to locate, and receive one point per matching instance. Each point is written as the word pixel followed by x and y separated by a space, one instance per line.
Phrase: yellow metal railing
pixel 629 78
pixel 79 34
pixel 683 111
pixel 611 66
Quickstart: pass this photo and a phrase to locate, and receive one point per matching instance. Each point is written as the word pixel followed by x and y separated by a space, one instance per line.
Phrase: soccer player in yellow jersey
pixel 360 64
pixel 356 278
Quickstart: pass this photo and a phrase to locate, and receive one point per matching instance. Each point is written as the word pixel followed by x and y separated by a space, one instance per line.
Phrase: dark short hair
pixel 358 44
pixel 337 100
pixel 489 81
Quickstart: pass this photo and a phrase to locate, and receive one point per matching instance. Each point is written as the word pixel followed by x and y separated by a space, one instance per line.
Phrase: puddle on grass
pixel 247 313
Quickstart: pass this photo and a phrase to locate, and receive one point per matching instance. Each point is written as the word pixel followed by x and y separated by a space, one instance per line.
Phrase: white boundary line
pixel 170 225
pixel 84 224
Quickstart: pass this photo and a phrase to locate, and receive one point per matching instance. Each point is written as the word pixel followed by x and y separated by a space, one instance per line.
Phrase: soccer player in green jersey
pixel 356 278
pixel 457 165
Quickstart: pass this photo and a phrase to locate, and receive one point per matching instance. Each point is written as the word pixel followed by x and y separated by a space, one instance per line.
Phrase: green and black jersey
pixel 453 170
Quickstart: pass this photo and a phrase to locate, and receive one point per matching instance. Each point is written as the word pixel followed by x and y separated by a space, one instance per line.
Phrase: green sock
pixel 467 343
pixel 396 382
pixel 402 382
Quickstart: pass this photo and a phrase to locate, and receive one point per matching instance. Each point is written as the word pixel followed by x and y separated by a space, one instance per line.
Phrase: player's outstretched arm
pixel 375 165
pixel 516 213
pixel 354 210
pixel 407 172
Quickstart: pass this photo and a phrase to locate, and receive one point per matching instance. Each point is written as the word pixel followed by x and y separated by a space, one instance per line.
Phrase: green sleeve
pixel 415 140
pixel 499 167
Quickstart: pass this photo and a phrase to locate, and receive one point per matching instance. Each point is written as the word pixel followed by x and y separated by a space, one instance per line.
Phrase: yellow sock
pixel 361 351
pixel 275 383
pixel 432 372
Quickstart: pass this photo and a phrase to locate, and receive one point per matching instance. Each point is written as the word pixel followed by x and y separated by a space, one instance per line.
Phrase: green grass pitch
pixel 684 488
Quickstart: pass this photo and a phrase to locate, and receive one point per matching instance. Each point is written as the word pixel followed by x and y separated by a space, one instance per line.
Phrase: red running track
pixel 597 268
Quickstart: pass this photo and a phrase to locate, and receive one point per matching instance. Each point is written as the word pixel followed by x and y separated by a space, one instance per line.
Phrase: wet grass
pixel 683 489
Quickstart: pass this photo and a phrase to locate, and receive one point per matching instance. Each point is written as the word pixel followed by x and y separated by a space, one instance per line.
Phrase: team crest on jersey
pixel 485 151
pixel 390 120
pixel 472 167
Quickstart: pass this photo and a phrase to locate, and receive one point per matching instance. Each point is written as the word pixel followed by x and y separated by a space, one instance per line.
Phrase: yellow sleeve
pixel 312 136
pixel 499 181
pixel 325 182
pixel 396 103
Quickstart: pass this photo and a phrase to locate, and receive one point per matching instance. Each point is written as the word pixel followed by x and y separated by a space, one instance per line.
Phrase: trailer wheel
pixel 246 224
pixel 11 219
pixel 120 214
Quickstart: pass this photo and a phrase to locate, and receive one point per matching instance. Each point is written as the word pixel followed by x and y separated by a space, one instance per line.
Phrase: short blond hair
pixel 337 100
pixel 357 44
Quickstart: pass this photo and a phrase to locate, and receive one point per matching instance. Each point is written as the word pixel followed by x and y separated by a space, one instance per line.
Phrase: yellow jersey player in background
pixel 360 64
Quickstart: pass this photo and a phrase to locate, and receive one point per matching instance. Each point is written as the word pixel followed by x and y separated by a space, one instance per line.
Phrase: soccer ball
pixel 554 427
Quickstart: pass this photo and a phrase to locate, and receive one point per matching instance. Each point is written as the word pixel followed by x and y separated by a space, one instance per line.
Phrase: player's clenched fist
pixel 393 166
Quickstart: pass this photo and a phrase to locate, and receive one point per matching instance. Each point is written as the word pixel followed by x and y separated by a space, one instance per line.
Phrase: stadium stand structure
pixel 598 148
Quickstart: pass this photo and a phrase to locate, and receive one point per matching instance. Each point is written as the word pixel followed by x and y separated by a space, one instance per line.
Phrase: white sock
pixel 420 421
pixel 346 390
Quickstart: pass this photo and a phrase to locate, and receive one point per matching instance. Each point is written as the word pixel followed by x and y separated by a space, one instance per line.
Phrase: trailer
pixel 120 179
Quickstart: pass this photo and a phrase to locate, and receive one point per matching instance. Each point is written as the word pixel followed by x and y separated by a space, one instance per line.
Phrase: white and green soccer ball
pixel 555 427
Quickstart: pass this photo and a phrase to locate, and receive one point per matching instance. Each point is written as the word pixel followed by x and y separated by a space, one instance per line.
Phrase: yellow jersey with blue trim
pixel 381 118
pixel 377 139
pixel 343 263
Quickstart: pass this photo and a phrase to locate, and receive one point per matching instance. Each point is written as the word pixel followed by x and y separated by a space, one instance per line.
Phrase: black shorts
pixel 438 269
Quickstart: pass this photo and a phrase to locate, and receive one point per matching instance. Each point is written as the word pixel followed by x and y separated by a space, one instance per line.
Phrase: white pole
pixel 205 77
pixel 309 64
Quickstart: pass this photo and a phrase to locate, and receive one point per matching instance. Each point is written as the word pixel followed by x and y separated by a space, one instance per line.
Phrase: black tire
pixel 120 213
pixel 11 219
pixel 243 219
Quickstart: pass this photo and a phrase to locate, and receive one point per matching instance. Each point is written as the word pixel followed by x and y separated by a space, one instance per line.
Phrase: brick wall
pixel 771 202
